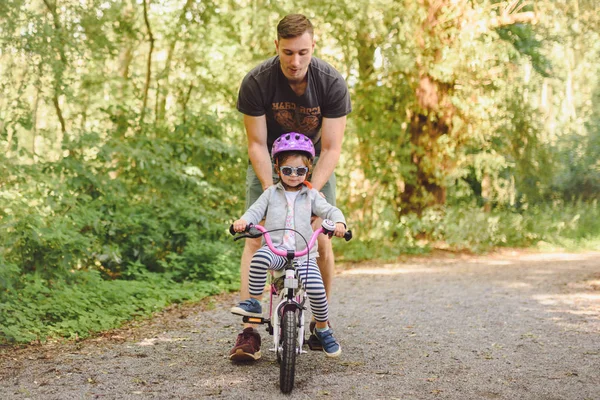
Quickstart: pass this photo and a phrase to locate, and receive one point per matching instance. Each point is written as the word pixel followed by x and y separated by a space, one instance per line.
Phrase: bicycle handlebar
pixel 255 231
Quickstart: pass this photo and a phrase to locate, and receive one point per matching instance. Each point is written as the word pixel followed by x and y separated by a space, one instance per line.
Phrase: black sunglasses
pixel 300 171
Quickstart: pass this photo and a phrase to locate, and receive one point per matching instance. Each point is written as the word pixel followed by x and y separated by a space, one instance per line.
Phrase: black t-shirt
pixel 266 91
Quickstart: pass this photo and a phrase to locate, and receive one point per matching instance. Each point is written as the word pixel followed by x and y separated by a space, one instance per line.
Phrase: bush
pixel 45 309
pixel 571 225
pixel 119 226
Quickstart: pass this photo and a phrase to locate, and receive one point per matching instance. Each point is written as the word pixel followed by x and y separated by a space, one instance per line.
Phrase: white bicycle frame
pixel 286 297
pixel 291 281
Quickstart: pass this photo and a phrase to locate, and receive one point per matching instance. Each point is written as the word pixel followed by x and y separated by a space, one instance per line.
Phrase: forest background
pixel 475 124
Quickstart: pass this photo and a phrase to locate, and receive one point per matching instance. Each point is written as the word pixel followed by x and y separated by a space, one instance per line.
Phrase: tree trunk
pixel 163 78
pixel 34 113
pixel 424 190
pixel 6 125
pixel 433 115
pixel 58 73
pixel 61 119
pixel 125 59
pixel 185 98
pixel 430 119
pixel 148 63
pixel 486 192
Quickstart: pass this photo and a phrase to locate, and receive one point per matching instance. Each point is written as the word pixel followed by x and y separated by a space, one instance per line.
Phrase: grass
pixel 42 310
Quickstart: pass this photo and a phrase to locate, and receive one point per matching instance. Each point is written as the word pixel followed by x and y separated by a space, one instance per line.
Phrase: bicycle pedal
pixel 255 320
pixel 314 343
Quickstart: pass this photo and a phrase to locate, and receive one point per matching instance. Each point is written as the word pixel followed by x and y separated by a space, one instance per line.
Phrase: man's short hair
pixel 294 25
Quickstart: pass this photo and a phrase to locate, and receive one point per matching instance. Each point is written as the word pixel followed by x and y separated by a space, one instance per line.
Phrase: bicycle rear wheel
pixel 287 367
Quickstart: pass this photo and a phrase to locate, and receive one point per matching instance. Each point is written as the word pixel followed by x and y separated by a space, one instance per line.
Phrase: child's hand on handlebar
pixel 240 225
pixel 340 230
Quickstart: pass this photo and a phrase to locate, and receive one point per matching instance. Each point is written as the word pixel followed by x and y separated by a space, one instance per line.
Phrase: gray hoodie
pixel 272 206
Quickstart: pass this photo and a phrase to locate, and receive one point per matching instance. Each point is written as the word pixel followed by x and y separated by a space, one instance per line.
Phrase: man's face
pixel 295 55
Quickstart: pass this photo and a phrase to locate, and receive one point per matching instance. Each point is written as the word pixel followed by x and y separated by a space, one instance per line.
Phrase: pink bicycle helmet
pixel 293 141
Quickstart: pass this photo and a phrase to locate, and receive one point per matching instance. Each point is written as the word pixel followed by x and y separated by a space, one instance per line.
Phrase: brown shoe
pixel 247 346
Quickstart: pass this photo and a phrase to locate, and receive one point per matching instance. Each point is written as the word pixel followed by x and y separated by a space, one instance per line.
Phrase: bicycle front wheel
pixel 287 367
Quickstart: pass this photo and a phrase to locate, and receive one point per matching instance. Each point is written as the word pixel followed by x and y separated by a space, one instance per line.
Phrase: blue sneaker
pixel 330 346
pixel 249 308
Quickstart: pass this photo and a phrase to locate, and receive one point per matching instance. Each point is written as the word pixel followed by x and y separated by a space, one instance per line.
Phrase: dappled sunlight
pixel 391 269
pixel 559 256
pixel 518 285
pixel 590 284
pixel 161 339
pixel 216 384
pixel 592 313
pixel 582 305
pixel 513 257
pixel 496 262
pixel 565 285
pixel 542 272
pixel 570 299
pixel 504 259
pixel 223 381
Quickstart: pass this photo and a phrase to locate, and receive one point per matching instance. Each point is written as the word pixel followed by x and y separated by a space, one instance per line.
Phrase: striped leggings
pixel 264 259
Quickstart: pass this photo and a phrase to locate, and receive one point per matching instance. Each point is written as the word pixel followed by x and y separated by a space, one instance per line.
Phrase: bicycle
pixel 286 319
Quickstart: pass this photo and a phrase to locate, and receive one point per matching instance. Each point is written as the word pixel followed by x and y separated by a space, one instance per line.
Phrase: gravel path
pixel 506 326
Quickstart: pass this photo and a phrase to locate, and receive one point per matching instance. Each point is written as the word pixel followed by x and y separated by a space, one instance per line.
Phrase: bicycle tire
pixel 287 367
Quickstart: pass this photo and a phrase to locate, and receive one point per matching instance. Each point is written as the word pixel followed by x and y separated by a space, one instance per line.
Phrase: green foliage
pixel 457 106
pixel 557 223
pixel 147 214
pixel 466 227
pixel 45 309
pixel 71 214
pixel 579 177
pixel 524 40
pixel 389 241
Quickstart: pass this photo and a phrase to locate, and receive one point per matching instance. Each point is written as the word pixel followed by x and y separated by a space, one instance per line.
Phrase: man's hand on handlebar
pixel 240 225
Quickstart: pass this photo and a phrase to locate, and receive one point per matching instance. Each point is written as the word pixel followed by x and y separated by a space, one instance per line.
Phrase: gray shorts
pixel 254 188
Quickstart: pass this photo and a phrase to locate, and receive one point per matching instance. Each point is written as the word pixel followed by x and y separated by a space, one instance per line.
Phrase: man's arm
pixel 256 131
pixel 332 135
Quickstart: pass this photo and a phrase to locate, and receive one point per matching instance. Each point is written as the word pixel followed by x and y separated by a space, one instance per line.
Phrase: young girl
pixel 290 204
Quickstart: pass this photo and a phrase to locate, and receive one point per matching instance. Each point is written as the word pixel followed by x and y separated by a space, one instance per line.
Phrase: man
pixel 291 92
